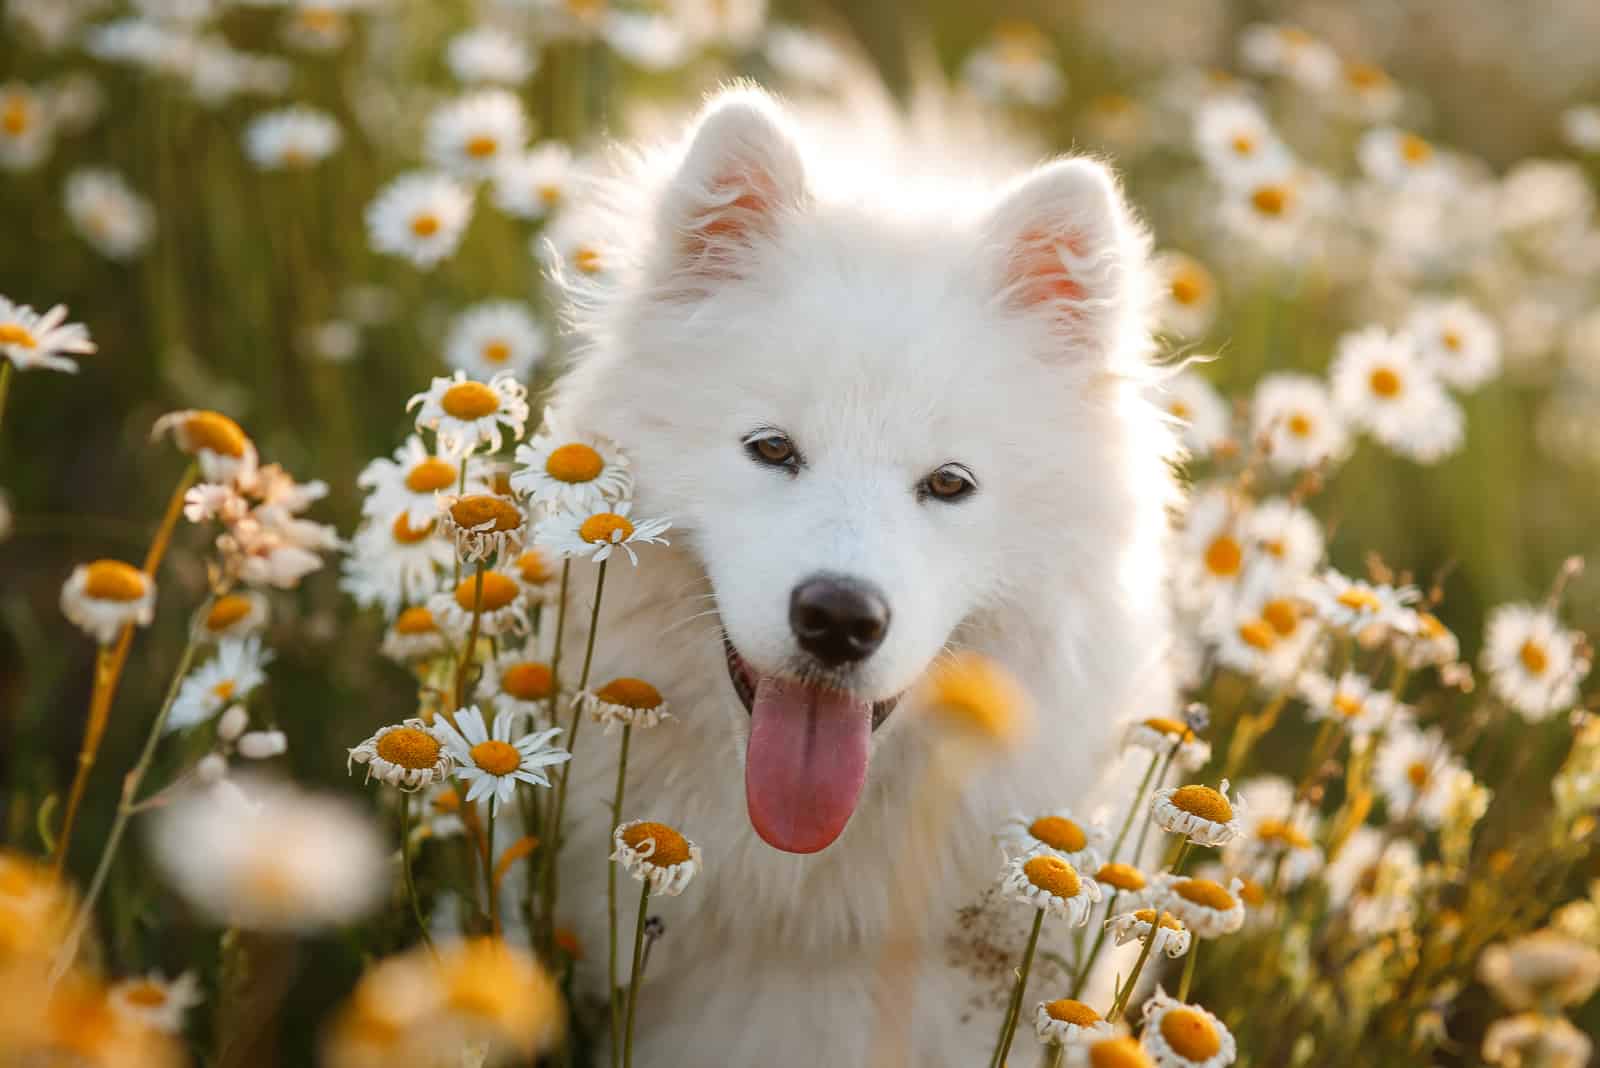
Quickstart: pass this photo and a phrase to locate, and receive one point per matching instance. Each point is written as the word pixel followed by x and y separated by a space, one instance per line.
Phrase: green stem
pixel 491 891
pixel 1188 968
pixel 405 866
pixel 1149 942
pixel 1009 1030
pixel 1144 829
pixel 634 977
pixel 6 370
pixel 1133 809
pixel 611 895
pixel 547 851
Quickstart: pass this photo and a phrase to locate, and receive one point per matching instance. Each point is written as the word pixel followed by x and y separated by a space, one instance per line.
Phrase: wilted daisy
pixel 30 340
pixel 1536 1040
pixel 1196 405
pixel 1294 415
pixel 1185 1036
pixel 1171 936
pixel 1047 882
pixel 534 183
pixel 483 525
pixel 1543 969
pixel 1017 65
pixel 1415 773
pixel 491 760
pixel 1380 384
pixel 1066 1021
pixel 625 702
pixel 407 755
pixel 1234 138
pixel 1057 833
pixel 231 675
pixel 419 216
pixel 224 450
pixel 394 564
pixel 1534 663
pixel 485 54
pixel 495 337
pixel 516 681
pixel 1350 700
pixel 271 857
pixel 1159 735
pixel 107 213
pixel 411 482
pixel 561 468
pixel 1356 606
pixel 1201 814
pixel 1276 842
pixel 497 605
pixel 474 133
pixel 657 854
pixel 156 1001
pixel 104 596
pixel 291 139
pixel 414 635
pixel 233 615
pixel 594 535
pixel 1206 907
pixel 467 415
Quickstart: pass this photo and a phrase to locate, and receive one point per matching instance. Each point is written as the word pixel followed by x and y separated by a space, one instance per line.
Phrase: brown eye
pixel 773 449
pixel 951 482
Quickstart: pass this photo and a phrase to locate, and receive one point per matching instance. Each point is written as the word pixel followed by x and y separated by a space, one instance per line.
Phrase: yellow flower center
pixel 1167 725
pixel 1414 150
pixel 1430 626
pixel 406 534
pixel 1271 200
pixel 469 400
pixel 482 509
pixel 1361 600
pixel 1253 893
pixel 496 757
pixel 1365 76
pixel 670 846
pixel 410 748
pixel 1190 286
pixel 1258 634
pixel 1385 382
pixel 227 611
pixel 415 621
pixel 1282 833
pixel 482 147
pixel 574 462
pixel 1347 705
pixel 1122 876
pixel 498 592
pixel 1282 615
pixel 447 801
pixel 214 432
pixel 497 352
pixel 1300 424
pixel 1204 892
pixel 15 334
pixel 1058 832
pixel 630 693
pixel 1417 774
pixel 1053 875
pixel 145 994
pixel 605 527
pixel 16 118
pixel 113 580
pixel 974 693
pixel 1533 657
pixel 224 690
pixel 532 567
pixel 527 681
pixel 1073 1012
pixel 1190 1034
pixel 1451 340
pixel 1243 144
pixel 587 259
pixel 431 475
pixel 1168 920
pixel 1223 556
pixel 1179 409
pixel 425 224
pixel 550 195
pixel 1120 1052
pixel 1204 802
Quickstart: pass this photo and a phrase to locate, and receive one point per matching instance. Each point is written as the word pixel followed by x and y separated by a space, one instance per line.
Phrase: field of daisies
pixel 290 680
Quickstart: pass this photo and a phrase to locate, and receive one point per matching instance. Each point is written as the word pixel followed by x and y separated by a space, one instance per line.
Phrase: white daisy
pixel 1380 384
pixel 155 1001
pixel 1286 534
pixel 657 854
pixel 516 681
pixel 227 455
pixel 1058 833
pixel 1196 405
pixel 804 57
pixel 104 596
pixel 1374 878
pixel 467 415
pixel 1213 541
pixel 229 676
pixel 535 183
pixel 233 615
pixel 474 133
pixel 1356 606
pixel 390 565
pixel 490 760
pixel 1234 138
pixel 27 127
pixel 1396 157
pixel 1433 644
pixel 1415 772
pixel 1171 936
pixel 483 525
pixel 1188 297
pixel 595 535
pixel 1266 637
pixel 1066 1021
pixel 1534 663
pixel 1580 127
pixel 1206 907
pixel 577 250
pixel 1276 843
pixel 1159 734
pixel 291 139
pixel 494 337
pixel 1016 65
pixel 485 54
pixel 411 482
pixel 1294 415
pixel 500 607
pixel 118 222
pixel 1046 881
pixel 563 469
pixel 625 702
pixel 414 635
pixel 1185 1036
pixel 649 40
pixel 420 216
pixel 1351 701
pixel 1288 52
pixel 1365 92
pixel 30 340
pixel 1536 1038
pixel 1456 342
pixel 1201 814
pixel 407 755
pixel 540 579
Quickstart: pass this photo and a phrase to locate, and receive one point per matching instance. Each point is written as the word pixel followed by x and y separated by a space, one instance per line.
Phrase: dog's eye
pixel 949 483
pixel 772 448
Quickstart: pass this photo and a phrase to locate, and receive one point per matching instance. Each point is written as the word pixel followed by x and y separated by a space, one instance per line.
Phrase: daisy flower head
pixel 1067 1022
pixel 1580 127
pixel 490 760
pixel 156 1001
pixel 1534 663
pixel 1290 52
pixel 657 854
pixel 1536 1038
pixel 1415 773
pixel 1118 878
pixel 1350 700
pixel 27 127
pixel 104 596
pixel 808 58
pixel 224 450
pixel 1160 735
pixel 1400 158
pixel 30 340
pixel 1205 906
pixel 1542 969
pixel 1201 814
pixel 291 139
pixel 518 681
pixel 1294 416
pixel 1188 299
pixel 535 183
pixel 471 135
pixel 1212 542
pixel 1047 882
pixel 467 415
pixel 1171 936
pixel 1380 385
pixel 1117 1051
pixel 1374 879
pixel 483 525
pixel 1016 65
pixel 1056 833
pixel 649 40
pixel 486 54
pixel 414 635
pixel 393 564
pixel 537 575
pixel 976 696
pixel 1237 143
pixel 1198 408
pixel 411 482
pixel 1264 639
pixel 596 535
pixel 1356 606
pixel 1273 210
pixel 1431 644
pixel 108 214
pixel 495 337
pixel 1185 1036
pixel 233 615
pixel 1365 91
pixel 497 603
pixel 407 755
pixel 1276 842
pixel 1455 341
pixel 1286 534
pixel 625 702
pixel 230 676
pixel 561 468
pixel 420 217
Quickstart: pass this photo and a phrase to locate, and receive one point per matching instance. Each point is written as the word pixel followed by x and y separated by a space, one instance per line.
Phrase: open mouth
pixel 807 759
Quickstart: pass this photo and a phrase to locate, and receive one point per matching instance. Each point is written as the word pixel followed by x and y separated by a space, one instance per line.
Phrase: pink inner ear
pixel 1037 275
pixel 712 233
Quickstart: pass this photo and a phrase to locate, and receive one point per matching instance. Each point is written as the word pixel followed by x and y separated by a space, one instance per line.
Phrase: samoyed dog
pixel 893 403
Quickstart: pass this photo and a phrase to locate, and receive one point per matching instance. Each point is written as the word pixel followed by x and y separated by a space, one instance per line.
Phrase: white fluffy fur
pixel 887 317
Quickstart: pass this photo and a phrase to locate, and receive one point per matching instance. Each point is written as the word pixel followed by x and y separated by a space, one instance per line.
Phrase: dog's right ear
pixel 741 173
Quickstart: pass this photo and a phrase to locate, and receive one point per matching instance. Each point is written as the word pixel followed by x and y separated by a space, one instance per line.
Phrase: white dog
pixel 889 412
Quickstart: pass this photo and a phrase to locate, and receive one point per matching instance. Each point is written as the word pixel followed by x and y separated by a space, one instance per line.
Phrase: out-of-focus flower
pixel 1047 882
pixel 1286 534
pixel 1158 735
pixel 1276 843
pixel 473 134
pixel 497 603
pixel 1456 342
pixel 1189 297
pixel 491 760
pixel 36 908
pixel 391 565
pixel 104 596
pixel 233 615
pixel 1185 1036
pixel 1119 1051
pixel 976 696
pixel 1288 52
pixel 486 54
pixel 515 681
pixel 1365 91
pixel 1544 969
pixel 467 416
pixel 1016 65
pixel 805 57
pixel 420 217
pixel 1580 126
pixel 1380 385
pixel 651 40
pixel 1400 158
pixel 158 1002
pixel 1350 700
pixel 493 338
pixel 1415 773
pixel 414 635
pixel 596 535
pixel 1374 878
pixel 231 675
pixel 26 127
pixel 1534 663
pixel 1235 140
pixel 656 854
pixel 1357 607
pixel 1198 407
pixel 224 450
pixel 1294 415
pixel 535 183
pixel 76 1021
pixel 410 483
pixel 30 340
pixel 1532 1040
pixel 291 139
pixel 625 702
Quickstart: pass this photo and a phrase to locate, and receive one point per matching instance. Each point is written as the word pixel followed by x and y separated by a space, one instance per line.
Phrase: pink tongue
pixel 806 763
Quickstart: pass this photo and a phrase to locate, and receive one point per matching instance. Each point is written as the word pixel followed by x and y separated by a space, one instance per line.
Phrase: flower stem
pixel 1144 829
pixel 634 977
pixel 1149 943
pixel 547 851
pixel 468 654
pixel 1133 809
pixel 492 892
pixel 1188 969
pixel 5 385
pixel 1008 1030
pixel 611 894
pixel 405 866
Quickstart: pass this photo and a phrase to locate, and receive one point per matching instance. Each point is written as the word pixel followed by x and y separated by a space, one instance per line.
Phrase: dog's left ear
pixel 1059 245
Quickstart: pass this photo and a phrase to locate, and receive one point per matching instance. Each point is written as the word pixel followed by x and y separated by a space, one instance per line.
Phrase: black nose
pixel 838 619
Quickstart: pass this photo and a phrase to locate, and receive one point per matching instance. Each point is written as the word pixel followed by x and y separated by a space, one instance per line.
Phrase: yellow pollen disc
pixel 1430 626
pixel 972 693
pixel 498 592
pixel 320 19
pixel 1058 832
pixel 527 681
pixel 406 534
pixel 1300 425
pixel 146 994
pixel 1167 725
pixel 113 580
pixel 1258 634
pixel 630 693
pixel 15 119
pixel 447 801
pixel 1243 145
pixel 603 528
pixel 1053 875
pixel 224 690
pixel 574 462
pixel 1385 382
pixel 1360 599
pixel 424 225
pixel 670 846
pixel 469 400
pixel 410 748
pixel 1533 657
pixel 1415 150
pixel 1213 895
pixel 1417 773
pixel 227 611
pixel 1191 1035
pixel 415 621
pixel 1190 286
pixel 496 757
pixel 1223 556
pixel 1281 615
pixel 587 260
pixel 1253 893
pixel 1073 1012
pixel 214 432
pixel 1120 1052
pixel 1347 705
pixel 1204 802
pixel 532 567
pixel 1281 833
pixel 14 334
pixel 497 352
pixel 1451 340
pixel 1275 547
pixel 478 509
pixel 1365 76
pixel 1168 920
pixel 1270 200
pixel 550 195
pixel 431 475
pixel 1179 409
pixel 1122 876
pixel 482 147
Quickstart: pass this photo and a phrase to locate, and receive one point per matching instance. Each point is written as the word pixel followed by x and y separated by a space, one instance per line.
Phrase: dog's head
pixel 873 423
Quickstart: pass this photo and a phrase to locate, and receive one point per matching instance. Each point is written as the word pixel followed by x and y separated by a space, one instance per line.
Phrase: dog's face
pixel 870 431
